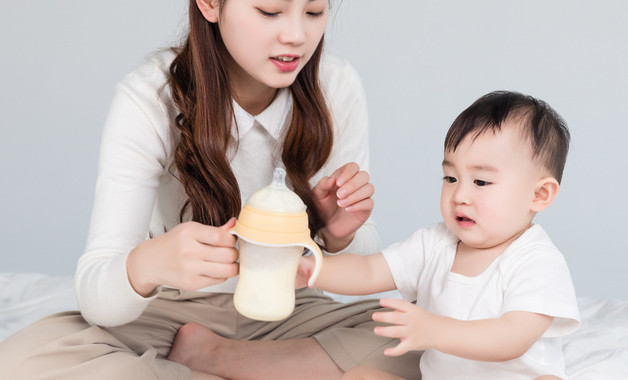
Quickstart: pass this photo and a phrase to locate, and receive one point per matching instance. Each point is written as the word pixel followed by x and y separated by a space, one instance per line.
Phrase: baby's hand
pixel 305 271
pixel 412 325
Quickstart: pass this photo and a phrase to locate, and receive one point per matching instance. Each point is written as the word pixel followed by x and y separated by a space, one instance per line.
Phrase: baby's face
pixel 489 184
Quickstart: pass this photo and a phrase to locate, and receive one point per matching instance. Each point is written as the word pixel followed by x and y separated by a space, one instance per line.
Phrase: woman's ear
pixel 544 194
pixel 210 9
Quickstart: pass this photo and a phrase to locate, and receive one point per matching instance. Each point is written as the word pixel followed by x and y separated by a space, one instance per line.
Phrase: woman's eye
pixel 449 179
pixel 316 14
pixel 267 14
pixel 480 182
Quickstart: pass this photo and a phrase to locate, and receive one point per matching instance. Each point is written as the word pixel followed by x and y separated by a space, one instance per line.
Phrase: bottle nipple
pixel 279 178
pixel 277 197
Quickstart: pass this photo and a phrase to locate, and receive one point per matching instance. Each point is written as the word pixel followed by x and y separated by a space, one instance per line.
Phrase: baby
pixel 493 294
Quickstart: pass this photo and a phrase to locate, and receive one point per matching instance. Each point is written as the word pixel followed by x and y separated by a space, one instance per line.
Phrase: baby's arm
pixel 349 274
pixel 496 339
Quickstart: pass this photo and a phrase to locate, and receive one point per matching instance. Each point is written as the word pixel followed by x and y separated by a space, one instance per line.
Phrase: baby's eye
pixel 450 179
pixel 480 182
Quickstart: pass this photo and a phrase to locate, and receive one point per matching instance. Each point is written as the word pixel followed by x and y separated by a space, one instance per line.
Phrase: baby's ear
pixel 210 9
pixel 544 194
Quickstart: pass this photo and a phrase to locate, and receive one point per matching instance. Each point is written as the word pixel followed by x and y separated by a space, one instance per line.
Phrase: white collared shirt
pixel 259 142
pixel 137 195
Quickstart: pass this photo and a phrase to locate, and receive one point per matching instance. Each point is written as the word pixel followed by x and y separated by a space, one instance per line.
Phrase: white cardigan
pixel 137 196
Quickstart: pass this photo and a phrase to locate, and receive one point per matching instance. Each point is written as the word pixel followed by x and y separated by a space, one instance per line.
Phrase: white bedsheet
pixel 597 351
pixel 27 297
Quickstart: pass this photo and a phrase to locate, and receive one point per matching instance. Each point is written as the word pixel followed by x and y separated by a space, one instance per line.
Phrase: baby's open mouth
pixel 464 219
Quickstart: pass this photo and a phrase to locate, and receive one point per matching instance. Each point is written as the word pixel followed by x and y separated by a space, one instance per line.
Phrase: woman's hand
pixel 411 324
pixel 344 203
pixel 191 256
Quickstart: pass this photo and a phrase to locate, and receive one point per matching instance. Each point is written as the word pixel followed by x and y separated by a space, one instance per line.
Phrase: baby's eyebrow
pixel 486 168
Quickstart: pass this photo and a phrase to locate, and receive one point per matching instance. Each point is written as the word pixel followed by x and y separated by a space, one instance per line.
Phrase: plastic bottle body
pixel 265 289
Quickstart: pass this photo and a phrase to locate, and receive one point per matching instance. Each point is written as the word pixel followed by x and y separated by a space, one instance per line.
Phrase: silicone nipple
pixel 277 197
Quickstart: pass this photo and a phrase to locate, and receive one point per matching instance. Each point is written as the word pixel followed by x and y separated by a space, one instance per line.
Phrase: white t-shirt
pixel 531 275
pixel 137 196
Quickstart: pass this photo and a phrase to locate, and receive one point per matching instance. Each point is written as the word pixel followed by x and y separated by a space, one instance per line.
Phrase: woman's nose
pixel 293 31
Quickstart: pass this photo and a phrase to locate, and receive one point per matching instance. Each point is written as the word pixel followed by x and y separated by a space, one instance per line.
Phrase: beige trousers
pixel 64 346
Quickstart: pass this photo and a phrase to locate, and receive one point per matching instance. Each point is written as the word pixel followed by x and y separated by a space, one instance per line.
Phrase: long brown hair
pixel 201 90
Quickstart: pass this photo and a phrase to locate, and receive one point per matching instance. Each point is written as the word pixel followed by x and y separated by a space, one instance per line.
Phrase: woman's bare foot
pixel 202 350
pixel 195 347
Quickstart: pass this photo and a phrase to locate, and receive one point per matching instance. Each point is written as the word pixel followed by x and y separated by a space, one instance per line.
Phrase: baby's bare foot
pixel 195 347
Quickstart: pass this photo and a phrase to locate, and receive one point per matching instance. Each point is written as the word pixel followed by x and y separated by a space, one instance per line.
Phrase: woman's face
pixel 271 40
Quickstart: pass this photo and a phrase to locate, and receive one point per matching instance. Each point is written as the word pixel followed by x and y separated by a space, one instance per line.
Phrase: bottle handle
pixel 318 256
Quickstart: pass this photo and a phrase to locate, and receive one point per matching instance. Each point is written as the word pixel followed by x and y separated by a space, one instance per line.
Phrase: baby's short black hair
pixel 543 127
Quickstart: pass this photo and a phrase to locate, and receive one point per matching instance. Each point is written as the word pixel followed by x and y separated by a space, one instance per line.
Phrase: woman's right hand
pixel 191 256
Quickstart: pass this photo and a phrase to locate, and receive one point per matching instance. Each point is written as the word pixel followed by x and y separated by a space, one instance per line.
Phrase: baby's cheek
pixel 493 212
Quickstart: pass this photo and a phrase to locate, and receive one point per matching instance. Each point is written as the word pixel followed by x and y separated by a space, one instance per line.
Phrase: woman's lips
pixel 286 63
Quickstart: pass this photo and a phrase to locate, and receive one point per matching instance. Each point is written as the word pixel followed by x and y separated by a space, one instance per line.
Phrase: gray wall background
pixel 422 63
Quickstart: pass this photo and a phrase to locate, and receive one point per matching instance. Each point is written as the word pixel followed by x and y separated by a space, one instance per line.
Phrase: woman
pixel 191 134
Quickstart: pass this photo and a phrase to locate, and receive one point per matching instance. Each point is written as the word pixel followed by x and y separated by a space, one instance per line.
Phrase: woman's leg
pixel 343 338
pixel 65 347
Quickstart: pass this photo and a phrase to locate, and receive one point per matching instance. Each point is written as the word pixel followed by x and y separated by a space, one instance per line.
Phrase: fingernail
pixel 341 193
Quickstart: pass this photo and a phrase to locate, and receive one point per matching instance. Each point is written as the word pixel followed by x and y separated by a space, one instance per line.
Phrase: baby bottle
pixel 272 231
